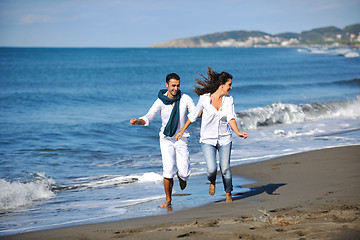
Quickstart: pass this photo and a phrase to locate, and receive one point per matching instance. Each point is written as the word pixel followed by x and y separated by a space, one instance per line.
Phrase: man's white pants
pixel 175 153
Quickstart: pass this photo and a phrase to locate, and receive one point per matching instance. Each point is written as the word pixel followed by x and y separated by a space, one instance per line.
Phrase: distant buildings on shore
pixel 349 35
pixel 265 41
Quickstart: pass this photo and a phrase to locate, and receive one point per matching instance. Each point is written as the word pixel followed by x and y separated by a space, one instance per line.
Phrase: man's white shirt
pixel 186 106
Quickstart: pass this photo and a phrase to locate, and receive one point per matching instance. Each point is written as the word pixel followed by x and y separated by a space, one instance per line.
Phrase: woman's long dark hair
pixel 212 82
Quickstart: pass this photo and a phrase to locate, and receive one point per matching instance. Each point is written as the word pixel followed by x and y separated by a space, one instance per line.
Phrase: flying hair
pixel 212 82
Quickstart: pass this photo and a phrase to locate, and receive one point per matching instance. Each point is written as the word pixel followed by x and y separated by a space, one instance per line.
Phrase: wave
pixel 280 113
pixel 109 181
pixel 354 82
pixel 341 83
pixel 18 194
pixel 342 51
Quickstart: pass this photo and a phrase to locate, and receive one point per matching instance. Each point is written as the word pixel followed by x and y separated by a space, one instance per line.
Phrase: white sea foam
pixel 111 180
pixel 281 113
pixel 342 51
pixel 296 133
pixel 351 54
pixel 151 176
pixel 18 194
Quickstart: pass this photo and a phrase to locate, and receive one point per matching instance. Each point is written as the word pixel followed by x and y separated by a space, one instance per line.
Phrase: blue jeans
pixel 224 162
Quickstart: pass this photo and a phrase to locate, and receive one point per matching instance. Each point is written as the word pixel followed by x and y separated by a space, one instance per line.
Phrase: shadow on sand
pixel 269 189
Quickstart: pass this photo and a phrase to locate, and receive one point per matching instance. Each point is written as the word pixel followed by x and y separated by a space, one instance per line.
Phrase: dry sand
pixel 312 195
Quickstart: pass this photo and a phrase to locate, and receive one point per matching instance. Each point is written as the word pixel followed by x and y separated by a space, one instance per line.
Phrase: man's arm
pixel 145 120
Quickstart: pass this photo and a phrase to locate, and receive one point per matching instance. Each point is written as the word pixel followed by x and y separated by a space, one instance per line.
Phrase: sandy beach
pixel 312 195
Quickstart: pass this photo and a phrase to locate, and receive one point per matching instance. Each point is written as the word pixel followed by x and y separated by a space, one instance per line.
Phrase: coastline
pixel 319 189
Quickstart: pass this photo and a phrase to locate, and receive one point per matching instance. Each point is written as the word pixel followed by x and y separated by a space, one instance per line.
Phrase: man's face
pixel 173 87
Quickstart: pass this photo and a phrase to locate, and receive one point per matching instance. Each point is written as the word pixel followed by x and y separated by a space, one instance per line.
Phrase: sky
pixel 141 23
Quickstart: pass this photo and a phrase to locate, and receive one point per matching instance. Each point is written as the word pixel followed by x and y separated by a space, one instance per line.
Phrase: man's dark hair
pixel 172 76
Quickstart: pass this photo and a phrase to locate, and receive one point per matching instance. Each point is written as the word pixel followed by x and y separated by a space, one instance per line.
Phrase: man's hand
pixel 135 121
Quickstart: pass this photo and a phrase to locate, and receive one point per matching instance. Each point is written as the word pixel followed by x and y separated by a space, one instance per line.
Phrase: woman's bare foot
pixel 228 198
pixel 212 189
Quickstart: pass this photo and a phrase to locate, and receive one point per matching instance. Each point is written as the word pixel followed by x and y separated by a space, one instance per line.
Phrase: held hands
pixel 179 135
pixel 181 132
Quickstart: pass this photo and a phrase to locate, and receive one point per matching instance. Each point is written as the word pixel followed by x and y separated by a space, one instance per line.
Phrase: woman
pixel 218 116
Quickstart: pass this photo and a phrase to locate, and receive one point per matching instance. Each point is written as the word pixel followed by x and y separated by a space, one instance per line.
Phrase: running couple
pixel 178 111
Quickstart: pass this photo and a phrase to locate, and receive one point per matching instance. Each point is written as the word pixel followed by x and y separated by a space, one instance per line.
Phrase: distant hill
pixel 349 35
pixel 288 35
pixel 352 29
pixel 322 35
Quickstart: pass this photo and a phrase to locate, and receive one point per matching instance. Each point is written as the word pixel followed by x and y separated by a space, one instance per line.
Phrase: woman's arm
pixel 192 116
pixel 231 115
pixel 234 126
pixel 179 134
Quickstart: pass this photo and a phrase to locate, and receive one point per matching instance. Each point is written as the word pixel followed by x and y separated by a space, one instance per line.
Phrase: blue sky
pixel 140 23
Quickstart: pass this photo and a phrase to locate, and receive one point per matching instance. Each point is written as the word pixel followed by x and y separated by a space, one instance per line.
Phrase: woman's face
pixel 227 87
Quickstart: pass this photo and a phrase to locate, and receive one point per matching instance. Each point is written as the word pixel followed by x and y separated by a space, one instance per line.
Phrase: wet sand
pixel 311 195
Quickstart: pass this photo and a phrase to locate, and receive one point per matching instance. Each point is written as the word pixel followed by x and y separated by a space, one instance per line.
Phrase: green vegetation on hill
pixel 349 35
pixel 352 29
pixel 287 35
pixel 324 34
pixel 237 35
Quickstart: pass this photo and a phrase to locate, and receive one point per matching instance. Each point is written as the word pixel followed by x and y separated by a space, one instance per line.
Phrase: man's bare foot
pixel 166 204
pixel 228 198
pixel 212 189
pixel 182 183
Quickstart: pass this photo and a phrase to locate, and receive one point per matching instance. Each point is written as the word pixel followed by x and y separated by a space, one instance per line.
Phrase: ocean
pixel 69 156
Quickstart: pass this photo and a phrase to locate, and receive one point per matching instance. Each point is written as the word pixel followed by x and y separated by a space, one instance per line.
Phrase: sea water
pixel 69 156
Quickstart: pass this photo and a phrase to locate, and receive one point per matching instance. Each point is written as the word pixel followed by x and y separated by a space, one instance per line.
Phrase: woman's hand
pixel 243 134
pixel 235 128
pixel 181 132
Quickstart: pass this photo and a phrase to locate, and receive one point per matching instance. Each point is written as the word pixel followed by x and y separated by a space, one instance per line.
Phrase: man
pixel 173 107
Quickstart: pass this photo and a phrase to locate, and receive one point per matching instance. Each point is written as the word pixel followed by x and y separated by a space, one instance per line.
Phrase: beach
pixel 68 155
pixel 310 195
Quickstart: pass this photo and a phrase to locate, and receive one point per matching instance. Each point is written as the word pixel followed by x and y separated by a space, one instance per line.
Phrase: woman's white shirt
pixel 215 126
